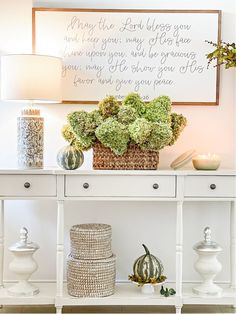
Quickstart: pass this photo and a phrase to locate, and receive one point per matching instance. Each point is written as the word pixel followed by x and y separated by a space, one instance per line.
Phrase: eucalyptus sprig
pixel 224 54
pixel 167 292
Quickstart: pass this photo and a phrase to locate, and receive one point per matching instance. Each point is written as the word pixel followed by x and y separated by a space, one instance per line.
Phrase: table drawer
pixel 27 185
pixel 210 186
pixel 109 185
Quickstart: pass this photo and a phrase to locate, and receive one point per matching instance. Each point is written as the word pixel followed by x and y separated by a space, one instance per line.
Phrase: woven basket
pixel 91 241
pixel 134 159
pixel 91 278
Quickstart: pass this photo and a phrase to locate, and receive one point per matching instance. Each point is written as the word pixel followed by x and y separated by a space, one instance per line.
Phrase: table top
pixel 56 170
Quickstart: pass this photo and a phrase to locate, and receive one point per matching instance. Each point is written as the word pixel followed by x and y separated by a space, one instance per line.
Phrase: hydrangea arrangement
pixel 151 126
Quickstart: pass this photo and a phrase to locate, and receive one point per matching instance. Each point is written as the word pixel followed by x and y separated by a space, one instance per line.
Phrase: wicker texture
pixel 91 241
pixel 134 159
pixel 91 278
pixel 91 266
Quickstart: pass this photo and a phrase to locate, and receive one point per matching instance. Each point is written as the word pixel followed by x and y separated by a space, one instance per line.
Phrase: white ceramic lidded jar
pixel 23 265
pixel 207 265
pixel 30 138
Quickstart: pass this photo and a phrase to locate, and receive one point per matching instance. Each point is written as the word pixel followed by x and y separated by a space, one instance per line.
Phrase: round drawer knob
pixel 27 185
pixel 213 186
pixel 86 185
pixel 155 186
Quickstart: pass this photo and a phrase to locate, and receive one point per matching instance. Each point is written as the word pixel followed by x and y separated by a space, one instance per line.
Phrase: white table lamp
pixel 35 79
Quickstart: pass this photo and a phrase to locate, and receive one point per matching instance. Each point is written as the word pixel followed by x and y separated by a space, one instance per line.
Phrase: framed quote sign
pixel 115 52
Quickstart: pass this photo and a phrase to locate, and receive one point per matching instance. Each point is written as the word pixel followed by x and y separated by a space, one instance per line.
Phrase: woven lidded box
pixel 91 241
pixel 91 278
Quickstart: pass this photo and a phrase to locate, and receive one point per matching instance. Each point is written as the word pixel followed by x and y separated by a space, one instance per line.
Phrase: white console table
pixel 160 185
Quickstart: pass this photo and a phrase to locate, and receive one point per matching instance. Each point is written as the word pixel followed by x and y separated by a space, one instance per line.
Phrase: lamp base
pixel 30 138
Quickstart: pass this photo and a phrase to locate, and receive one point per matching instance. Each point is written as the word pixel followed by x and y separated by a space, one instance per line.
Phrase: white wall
pixel 210 129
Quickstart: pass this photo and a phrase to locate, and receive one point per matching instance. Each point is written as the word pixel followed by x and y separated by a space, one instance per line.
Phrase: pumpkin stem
pixel 146 249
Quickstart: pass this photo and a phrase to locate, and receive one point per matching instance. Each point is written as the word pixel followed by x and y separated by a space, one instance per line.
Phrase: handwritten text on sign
pixel 117 53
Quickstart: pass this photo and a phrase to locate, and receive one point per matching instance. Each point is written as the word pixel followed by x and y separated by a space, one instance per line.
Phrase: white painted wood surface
pixel 210 186
pixel 115 185
pixel 179 248
pixel 27 185
pixel 137 186
pixel 233 244
pixel 1 242
pixel 60 247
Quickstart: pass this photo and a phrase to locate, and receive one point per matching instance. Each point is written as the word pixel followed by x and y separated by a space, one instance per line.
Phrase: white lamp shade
pixel 31 77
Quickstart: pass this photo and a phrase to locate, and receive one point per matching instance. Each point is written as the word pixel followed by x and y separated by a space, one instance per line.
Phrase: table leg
pixel 1 242
pixel 178 309
pixel 179 249
pixel 60 248
pixel 58 309
pixel 233 245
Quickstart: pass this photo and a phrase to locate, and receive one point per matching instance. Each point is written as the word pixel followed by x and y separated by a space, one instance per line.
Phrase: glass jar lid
pixel 23 245
pixel 207 245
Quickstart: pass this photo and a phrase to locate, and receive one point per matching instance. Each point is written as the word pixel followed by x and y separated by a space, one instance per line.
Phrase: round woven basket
pixel 91 278
pixel 91 241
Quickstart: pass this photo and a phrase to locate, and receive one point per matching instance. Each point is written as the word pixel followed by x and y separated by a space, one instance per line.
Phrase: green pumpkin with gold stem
pixel 147 269
pixel 70 157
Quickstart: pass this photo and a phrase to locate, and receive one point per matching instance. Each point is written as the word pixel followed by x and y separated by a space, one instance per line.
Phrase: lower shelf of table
pixel 125 294
pixel 228 296
pixel 46 296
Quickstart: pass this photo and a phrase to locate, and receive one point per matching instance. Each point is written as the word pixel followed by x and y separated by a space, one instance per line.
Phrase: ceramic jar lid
pixel 207 245
pixel 183 159
pixel 23 245
pixel 30 112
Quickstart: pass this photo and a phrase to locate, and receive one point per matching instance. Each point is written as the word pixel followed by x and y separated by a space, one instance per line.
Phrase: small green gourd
pixel 70 158
pixel 147 267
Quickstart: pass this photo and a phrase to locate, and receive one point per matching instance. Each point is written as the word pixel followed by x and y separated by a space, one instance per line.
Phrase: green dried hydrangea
pixel 135 101
pixel 83 127
pixel 114 135
pixel 109 106
pixel 140 130
pixel 85 123
pixel 70 137
pixel 178 123
pixel 161 135
pixel 159 110
pixel 151 126
pixel 94 119
pixel 78 121
pixel 127 115
pixel 68 134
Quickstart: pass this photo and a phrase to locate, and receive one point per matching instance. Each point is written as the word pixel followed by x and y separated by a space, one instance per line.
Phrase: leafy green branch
pixel 224 54
pixel 167 292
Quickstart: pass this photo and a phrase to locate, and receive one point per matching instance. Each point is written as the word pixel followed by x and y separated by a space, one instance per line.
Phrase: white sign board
pixel 115 52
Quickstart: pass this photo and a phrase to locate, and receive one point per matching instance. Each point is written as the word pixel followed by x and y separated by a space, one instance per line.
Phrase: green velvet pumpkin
pixel 147 267
pixel 70 158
